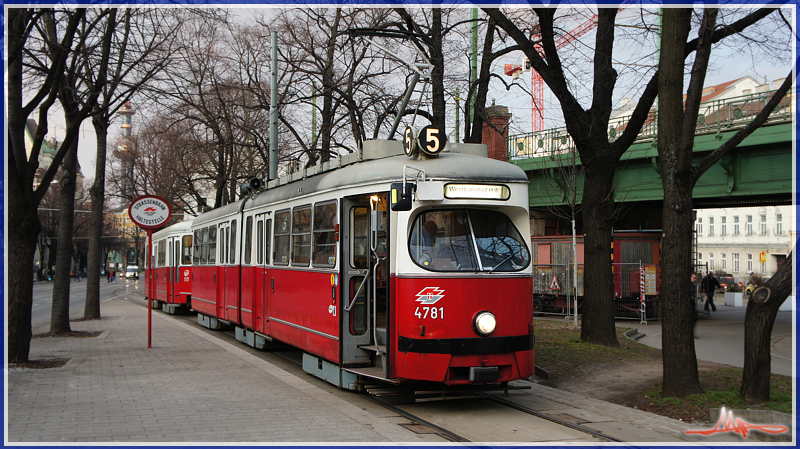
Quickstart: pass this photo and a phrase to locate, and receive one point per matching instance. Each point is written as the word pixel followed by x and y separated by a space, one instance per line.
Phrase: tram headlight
pixel 484 323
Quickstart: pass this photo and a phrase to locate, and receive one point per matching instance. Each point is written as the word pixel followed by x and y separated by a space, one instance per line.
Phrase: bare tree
pixel 758 322
pixel 677 123
pixel 589 129
pixel 140 47
pixel 343 73
pixel 79 90
pixel 24 35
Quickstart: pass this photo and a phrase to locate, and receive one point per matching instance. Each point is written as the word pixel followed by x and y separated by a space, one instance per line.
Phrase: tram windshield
pixel 467 240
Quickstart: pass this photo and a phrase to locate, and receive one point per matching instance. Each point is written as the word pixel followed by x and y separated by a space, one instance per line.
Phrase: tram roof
pixel 447 167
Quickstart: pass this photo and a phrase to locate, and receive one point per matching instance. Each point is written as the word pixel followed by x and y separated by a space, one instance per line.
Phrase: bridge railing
pixel 715 117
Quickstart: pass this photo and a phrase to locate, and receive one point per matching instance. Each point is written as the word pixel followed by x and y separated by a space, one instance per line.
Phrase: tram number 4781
pixel 433 312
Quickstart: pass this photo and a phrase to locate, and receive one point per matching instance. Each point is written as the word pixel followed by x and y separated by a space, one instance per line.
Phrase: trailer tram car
pixel 379 267
pixel 172 268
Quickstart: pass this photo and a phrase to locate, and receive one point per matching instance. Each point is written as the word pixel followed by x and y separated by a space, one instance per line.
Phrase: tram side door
pixel 172 270
pixel 364 280
pixel 263 287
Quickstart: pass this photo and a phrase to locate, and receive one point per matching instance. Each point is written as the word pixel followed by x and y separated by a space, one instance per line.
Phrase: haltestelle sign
pixel 149 212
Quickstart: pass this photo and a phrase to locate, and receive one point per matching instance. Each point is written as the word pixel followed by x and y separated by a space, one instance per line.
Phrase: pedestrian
pixel 710 284
pixel 78 275
pixel 108 276
pixel 694 304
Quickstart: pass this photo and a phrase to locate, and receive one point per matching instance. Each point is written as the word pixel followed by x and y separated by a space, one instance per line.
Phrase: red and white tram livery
pixel 379 266
pixel 171 273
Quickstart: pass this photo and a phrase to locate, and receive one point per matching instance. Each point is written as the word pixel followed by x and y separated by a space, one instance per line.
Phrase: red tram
pixel 379 266
pixel 172 268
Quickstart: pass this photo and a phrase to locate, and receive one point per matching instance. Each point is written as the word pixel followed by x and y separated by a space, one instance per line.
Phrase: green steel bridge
pixel 757 172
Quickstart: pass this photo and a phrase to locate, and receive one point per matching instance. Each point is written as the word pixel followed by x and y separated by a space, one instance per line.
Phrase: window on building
pixel 749 262
pixel 763 227
pixel 724 258
pixel 699 225
pixel 763 268
pixel 779 224
pixel 710 261
pixel 723 226
pixel 736 225
pixel 711 226
pixel 735 262
pixel 749 225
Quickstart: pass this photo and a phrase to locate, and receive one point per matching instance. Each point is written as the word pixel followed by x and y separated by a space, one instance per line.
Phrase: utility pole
pixel 273 111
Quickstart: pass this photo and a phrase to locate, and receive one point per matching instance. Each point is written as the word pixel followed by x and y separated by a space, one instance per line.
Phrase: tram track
pixel 417 423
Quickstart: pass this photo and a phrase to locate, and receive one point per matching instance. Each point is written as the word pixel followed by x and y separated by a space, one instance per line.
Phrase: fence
pixel 554 292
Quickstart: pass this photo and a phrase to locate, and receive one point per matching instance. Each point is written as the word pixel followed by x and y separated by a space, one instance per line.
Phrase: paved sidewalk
pixel 193 387
pixel 189 387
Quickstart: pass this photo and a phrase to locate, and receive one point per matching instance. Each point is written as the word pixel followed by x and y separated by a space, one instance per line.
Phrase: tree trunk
pixel 59 316
pixel 598 325
pixel 91 310
pixel 21 247
pixel 677 309
pixel 758 322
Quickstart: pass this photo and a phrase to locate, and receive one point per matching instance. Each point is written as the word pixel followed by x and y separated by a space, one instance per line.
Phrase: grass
pixel 560 352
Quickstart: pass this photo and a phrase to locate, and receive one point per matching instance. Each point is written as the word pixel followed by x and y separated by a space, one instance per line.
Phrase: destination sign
pixel 477 191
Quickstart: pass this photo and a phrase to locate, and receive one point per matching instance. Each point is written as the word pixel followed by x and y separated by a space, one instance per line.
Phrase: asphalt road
pixel 43 299
pixel 720 338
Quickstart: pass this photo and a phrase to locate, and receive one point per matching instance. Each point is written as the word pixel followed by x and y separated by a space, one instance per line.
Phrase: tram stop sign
pixel 149 212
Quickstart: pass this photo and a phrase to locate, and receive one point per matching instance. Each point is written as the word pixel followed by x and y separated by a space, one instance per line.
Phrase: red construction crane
pixel 537 84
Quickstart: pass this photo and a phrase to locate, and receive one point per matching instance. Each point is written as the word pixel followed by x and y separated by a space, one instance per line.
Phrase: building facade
pixel 741 240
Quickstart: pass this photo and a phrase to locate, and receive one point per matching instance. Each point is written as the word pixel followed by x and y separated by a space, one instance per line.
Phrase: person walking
pixel 710 284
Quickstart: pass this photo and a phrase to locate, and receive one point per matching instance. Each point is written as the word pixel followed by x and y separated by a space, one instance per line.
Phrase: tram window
pixel 223 247
pixel 467 240
pixel 248 240
pixel 232 240
pixel 197 243
pixel 282 234
pixel 267 240
pixel 212 245
pixel 359 252
pixel 161 253
pixel 301 236
pixel 324 235
pixel 260 242
pixel 186 256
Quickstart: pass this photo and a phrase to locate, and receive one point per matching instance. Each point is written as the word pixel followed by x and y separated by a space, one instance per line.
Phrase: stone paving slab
pixel 192 387
pixel 189 387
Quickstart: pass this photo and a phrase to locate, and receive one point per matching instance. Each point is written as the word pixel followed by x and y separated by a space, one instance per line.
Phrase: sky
pixel 726 65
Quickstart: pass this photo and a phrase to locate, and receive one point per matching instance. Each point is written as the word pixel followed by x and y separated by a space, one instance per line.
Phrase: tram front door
pixel 364 281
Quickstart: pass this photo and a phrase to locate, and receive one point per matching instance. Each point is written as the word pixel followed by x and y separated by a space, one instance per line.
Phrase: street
pixel 43 299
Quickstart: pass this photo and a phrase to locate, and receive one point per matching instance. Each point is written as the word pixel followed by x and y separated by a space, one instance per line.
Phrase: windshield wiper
pixel 501 263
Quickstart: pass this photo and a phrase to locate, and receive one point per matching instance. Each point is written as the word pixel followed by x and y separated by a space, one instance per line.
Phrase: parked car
pixel 726 281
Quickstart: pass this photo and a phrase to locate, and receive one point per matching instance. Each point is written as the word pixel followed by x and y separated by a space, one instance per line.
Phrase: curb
pixel 634 334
